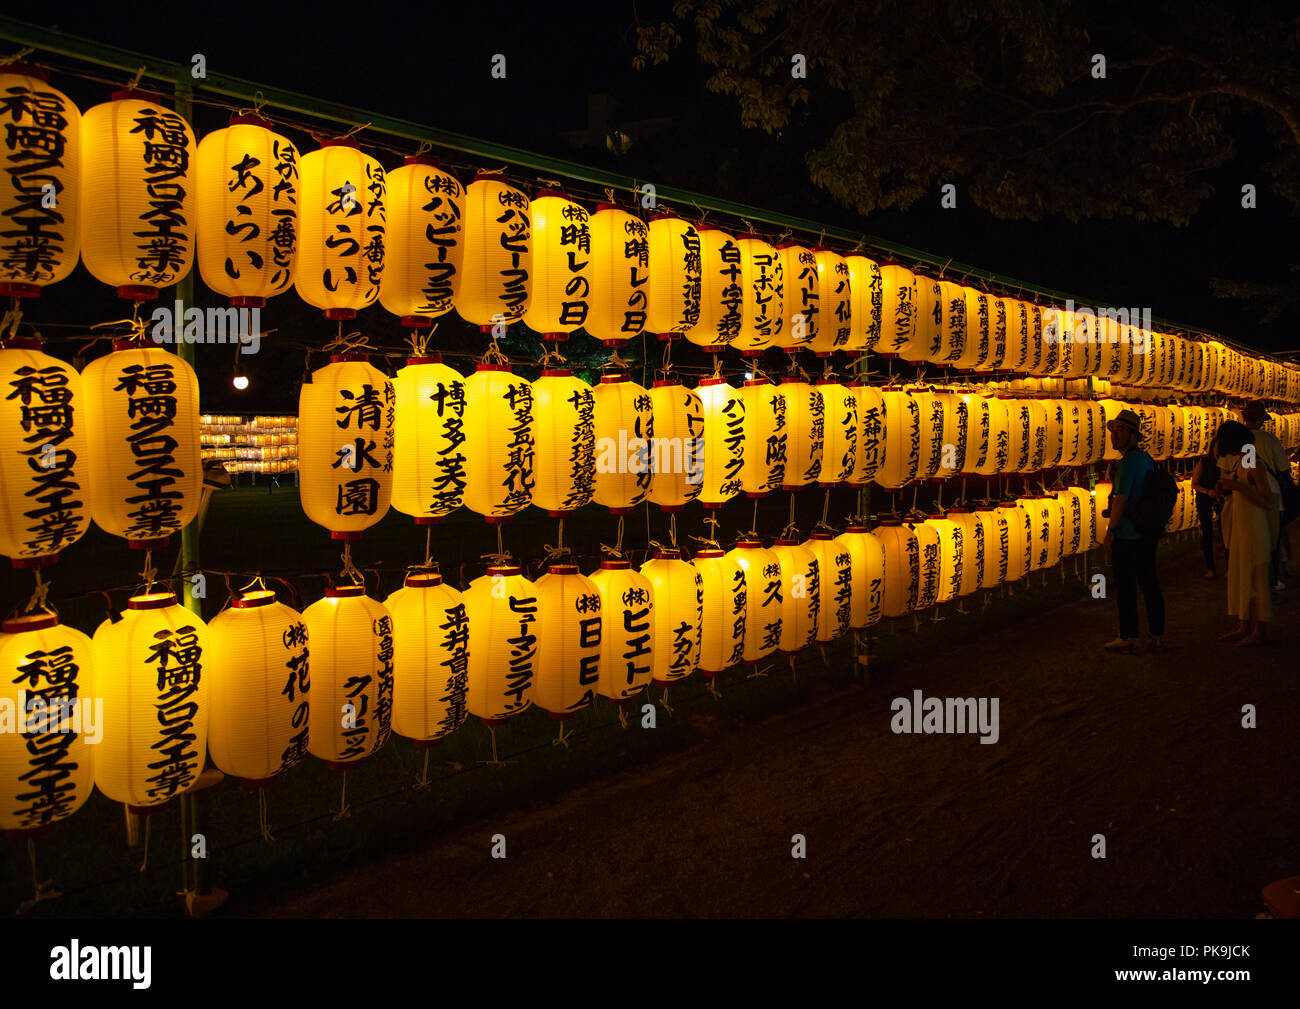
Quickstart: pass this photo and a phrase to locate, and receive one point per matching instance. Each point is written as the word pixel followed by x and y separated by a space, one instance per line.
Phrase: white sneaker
pixel 1122 646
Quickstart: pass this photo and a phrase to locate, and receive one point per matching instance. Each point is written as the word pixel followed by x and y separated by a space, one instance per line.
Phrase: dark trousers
pixel 1134 564
pixel 1205 511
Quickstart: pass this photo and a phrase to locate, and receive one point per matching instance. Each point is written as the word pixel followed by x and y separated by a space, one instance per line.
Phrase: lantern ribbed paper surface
pixel 767 432
pixel 805 417
pixel 504 610
pixel 624 419
pixel 929 564
pixel 423 250
pixel 674 288
pixel 564 413
pixel 720 292
pixel 801 591
pixel 834 330
pixel 627 635
pixel 951 556
pixel 840 429
pixel 835 580
pixel 866 311
pixel 763 599
pixel 802 309
pixel 500 442
pixel 867 562
pixel 724 441
pixel 973 549
pixel 900 323
pixel 430 657
pixel 560 301
pixel 677 450
pixel 901 459
pixel 996 533
pixel 568 641
pixel 498 259
pixel 620 275
pixel 429 462
pixel 723 603
pixel 871 433
pixel 902 566
pixel 679 615
pixel 762 279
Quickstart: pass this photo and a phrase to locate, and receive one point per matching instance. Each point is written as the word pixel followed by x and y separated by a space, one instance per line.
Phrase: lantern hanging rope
pixel 349 569
pixel 263 821
pixel 40 595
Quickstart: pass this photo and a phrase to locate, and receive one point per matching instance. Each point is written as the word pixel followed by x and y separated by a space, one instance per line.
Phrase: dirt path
pixel 1197 811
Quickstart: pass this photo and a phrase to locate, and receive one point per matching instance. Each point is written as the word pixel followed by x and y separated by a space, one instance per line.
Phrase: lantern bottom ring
pixel 153 544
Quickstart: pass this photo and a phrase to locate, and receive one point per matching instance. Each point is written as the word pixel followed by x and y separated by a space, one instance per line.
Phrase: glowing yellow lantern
pixel 246 182
pixel 342 215
pixel 902 440
pixel 899 322
pixel 41 205
pixel 142 422
pixel 997 459
pixel 258 682
pixel 498 258
pixel 45 497
pixel 423 244
pixel 1054 433
pixel 620 273
pixel 867 562
pixel 1019 356
pixel 866 309
pixel 500 441
pixel 1037 434
pixel 678 615
pixel 345 445
pixel 1020 539
pixel 137 194
pixel 562 279
pixel 834 329
pixel 972 550
pixel 763 599
pixel 724 441
pixel 151 669
pixel 835 580
pixel 1074 445
pixel 942 325
pixel 975 407
pixel 1073 521
pixel 902 566
pixel 568 641
pixel 871 432
pixel 1194 426
pixel 840 432
pixel 1000 312
pixel 720 290
pixel 677 450
pixel 805 414
pixel 800 594
pixel 564 417
pixel 46 759
pixel 1177 431
pixel 429 473
pixel 766 442
pixel 930 565
pixel 995 531
pixel 762 295
pixel 802 309
pixel 1036 362
pixel 933 422
pixel 674 289
pixel 723 605
pixel 430 658
pixel 627 636
pixel 503 611
pixel 978 337
pixel 951 556
pixel 624 430
pixel 1020 436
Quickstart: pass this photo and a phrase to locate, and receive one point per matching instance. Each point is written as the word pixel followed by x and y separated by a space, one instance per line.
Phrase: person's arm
pixel 1196 479
pixel 1254 488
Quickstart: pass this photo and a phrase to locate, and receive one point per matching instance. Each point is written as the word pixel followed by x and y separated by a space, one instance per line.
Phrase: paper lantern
pixel 137 195
pixel 930 565
pixel 994 529
pixel 972 550
pixel 259 682
pixel 674 288
pixel 46 754
pixel 627 636
pixel 45 497
pixel 1036 362
pixel 1019 355
pixel 1083 345
pixel 564 414
pixel 1194 432
pixel 1055 432
pixel 677 450
pixel 500 442
pixel 723 604
pixel 835 580
pixel 805 414
pixel 342 217
pixel 346 415
pixel 151 668
pixel 724 441
pixel 498 258
pixel 1075 446
pixel 998 457
pixel 902 566
pixel 866 309
pixel 142 422
pixel 1020 539
pixel 1074 522
pixel 763 599
pixel 952 554
pixel 901 460
pixel 351 709
pixel 41 242
pixel 978 431
pixel 560 300
pixel 1037 434
pixel 1054 335
pixel 766 438
pixel 834 330
pixel 720 290
pixel 678 615
pixel 802 308
pixel 762 295
pixel 568 641
pixel 1000 313
pixel 978 342
pixel 941 325
pixel 867 586
pixel 430 658
pixel 429 471
pixel 869 451
pixel 930 450
pixel 801 591
pixel 624 419
pixel 955 436
pixel 246 184
pixel 504 609
pixel 1020 436
pixel 840 429
pixel 620 273
pixel 899 312
pixel 424 249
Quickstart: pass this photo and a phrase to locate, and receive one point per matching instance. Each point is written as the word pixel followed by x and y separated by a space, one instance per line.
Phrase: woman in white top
pixel 1248 533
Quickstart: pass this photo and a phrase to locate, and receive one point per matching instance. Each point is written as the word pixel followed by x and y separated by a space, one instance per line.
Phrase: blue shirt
pixel 1130 481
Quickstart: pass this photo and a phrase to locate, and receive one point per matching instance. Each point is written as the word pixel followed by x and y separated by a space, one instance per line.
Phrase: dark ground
pixel 1198 812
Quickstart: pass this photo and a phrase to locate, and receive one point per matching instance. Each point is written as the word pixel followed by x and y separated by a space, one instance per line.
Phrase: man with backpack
pixel 1138 495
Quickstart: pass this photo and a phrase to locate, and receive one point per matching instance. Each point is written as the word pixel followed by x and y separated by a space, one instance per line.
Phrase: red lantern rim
pixel 615 565
pixel 708 553
pixel 252 600
pixel 422 580
pixel 786 543
pixel 29 621
pixel 26 70
pixel 659 383
pixel 562 569
pixel 505 569
pixel 493 367
pixel 151 601
pixel 345 591
pixel 422 159
pixel 855 529
pixel 670 554
pixel 427 359
pixel 557 373
pixel 712 380
pixel 613 379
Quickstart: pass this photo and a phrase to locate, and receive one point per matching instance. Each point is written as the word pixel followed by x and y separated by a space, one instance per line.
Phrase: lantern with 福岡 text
pixel 805 418
pixel 430 657
pixel 503 611
pixel 763 602
pixel 835 581
pixel 867 562
pixel 972 550
pixel 674 288
pixel 620 274
pixel 500 442
pixel 724 441
pixel 624 419
pixel 568 641
pixel 1020 539
pixel 564 416
pixel 978 343
pixel 496 281
pixel 677 448
pixel 902 566
pixel 627 636
pixel 840 432
pixel 345 445
pixel 801 593
pixel 560 301
pixel 678 592
pixel 429 471
pixel 724 603
pixel 978 430
pixel 766 437
pixel 423 247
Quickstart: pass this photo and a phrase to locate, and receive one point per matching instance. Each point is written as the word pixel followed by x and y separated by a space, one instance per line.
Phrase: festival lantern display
pixel 342 220
pixel 1074 443
pixel 763 598
pixel 835 580
pixel 429 473
pixel 500 442
pixel 503 609
pixel 564 418
pixel 1018 355
pixel 47 754
pixel 929 564
pixel 802 316
pixel 42 242
pixel 724 441
pixel 1035 343
pixel 561 290
pixel 620 273
pixel 1037 434
pixel 723 603
pixel 137 205
pixel 720 290
pixel 258 687
pixel 624 431
pixel 1177 431
pixel 866 307
pixel 901 459
pixel 871 433
pixel 678 593
pixel 152 671
pixel 246 184
pixel 627 635
pixel 142 423
pixel 840 433
pixel 430 658
pixel 674 288
pixel 351 705
pixel 1083 345
pixel 1194 439
pixel 568 641
pixel 423 243
pixel 805 413
pixel 1056 335
pixel 902 566
pixel 677 451
pixel 766 438
pixel 834 330
pixel 346 417
pixel 801 592
pixel 45 493
pixel 498 259
pixel 867 563
pixel 1054 433
pixel 1055 512
pixel 1020 539
pixel 763 295
pixel 899 318
pixel 994 530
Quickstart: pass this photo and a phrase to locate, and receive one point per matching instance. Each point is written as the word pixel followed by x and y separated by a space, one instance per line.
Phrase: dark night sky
pixel 430 63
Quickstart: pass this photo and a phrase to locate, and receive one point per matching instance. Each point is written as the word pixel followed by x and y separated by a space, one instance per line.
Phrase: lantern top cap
pixel 891 521
pixel 820 534
pixel 609 206
pixel 557 373
pixel 615 565
pixel 26 70
pixel 21 343
pixel 151 601
pixel 712 380
pixel 341 358
pixel 340 142
pixel 749 543
pixel 251 600
pixel 422 159
pixel 561 569
pixel 618 376
pixel 855 529
pixel 433 358
pixel 29 622
pixel 659 383
pixel 668 554
pixel 484 366
pixel 248 118
pixel 708 553
pixel 136 94
pixel 422 580
pixel 785 543
pixel 345 591
pixel 504 569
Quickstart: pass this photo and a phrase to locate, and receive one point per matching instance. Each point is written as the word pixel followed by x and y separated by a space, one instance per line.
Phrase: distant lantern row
pixel 128 189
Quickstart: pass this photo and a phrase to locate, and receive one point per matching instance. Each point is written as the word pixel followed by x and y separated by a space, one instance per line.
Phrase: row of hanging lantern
pixel 345 233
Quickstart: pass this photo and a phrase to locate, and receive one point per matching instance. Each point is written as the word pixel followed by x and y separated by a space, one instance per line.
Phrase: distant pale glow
pixel 240 382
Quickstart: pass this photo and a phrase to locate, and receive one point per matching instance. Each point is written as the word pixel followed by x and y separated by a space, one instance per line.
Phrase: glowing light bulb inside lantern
pixel 240 382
